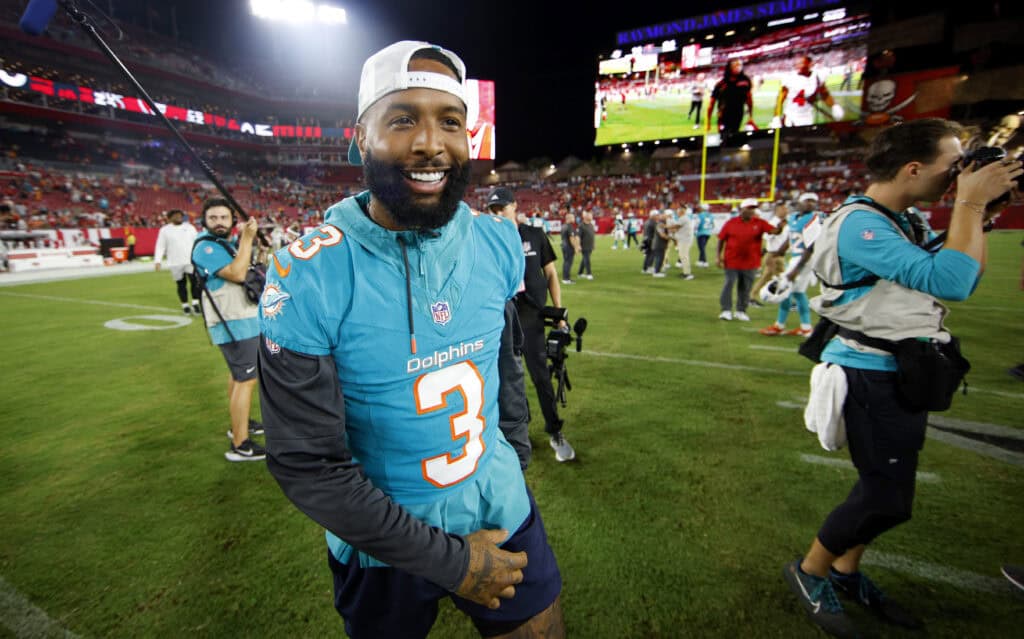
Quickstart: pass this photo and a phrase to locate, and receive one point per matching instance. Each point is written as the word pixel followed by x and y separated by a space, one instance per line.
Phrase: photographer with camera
pixel 884 348
pixel 539 280
pixel 231 316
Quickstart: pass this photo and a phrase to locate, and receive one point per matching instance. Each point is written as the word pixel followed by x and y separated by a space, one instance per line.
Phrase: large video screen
pixel 791 71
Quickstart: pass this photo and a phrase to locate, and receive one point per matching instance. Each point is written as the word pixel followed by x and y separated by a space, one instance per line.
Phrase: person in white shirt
pixel 682 234
pixel 795 105
pixel 174 245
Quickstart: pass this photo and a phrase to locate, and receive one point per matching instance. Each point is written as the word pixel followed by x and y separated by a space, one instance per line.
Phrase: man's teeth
pixel 435 176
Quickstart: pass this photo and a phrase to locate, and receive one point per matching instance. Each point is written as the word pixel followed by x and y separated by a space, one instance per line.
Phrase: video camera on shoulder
pixel 557 343
pixel 985 155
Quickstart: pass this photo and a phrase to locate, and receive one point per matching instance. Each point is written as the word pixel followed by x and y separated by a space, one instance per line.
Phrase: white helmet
pixel 776 290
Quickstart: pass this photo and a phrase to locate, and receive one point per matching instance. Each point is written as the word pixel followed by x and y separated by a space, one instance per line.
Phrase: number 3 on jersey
pixel 327 235
pixel 431 392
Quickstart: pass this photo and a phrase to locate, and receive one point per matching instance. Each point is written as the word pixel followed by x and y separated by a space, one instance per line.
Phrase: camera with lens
pixel 557 344
pixel 984 155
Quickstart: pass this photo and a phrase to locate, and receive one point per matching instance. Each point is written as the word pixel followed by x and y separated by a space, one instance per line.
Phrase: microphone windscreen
pixel 37 16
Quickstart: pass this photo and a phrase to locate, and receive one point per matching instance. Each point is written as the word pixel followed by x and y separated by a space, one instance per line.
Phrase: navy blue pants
pixel 386 602
pixel 884 440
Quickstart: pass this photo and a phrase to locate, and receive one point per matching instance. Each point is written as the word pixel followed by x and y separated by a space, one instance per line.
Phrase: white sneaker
pixel 741 316
pixel 688 276
pixel 725 315
pixel 563 451
pixel 589 276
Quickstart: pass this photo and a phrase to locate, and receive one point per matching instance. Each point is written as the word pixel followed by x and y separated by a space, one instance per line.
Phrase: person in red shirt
pixel 739 253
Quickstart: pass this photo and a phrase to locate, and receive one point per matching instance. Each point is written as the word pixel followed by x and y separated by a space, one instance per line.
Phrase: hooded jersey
pixel 421 402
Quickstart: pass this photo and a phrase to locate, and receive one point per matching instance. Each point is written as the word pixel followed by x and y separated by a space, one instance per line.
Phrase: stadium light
pixel 297 11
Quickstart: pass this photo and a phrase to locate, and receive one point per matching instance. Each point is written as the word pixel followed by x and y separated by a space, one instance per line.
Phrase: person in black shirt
pixel 570 246
pixel 540 279
pixel 732 94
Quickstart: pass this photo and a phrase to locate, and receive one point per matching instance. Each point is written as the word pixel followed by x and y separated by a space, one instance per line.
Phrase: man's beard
pixel 387 183
pixel 221 231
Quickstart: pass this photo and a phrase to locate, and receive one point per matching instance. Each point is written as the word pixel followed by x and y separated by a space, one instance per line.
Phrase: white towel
pixel 824 412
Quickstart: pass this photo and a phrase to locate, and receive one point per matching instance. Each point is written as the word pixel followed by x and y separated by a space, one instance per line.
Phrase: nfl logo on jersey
pixel 441 313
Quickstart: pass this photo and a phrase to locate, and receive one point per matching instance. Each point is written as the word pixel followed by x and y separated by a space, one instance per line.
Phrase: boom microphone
pixel 37 16
pixel 578 328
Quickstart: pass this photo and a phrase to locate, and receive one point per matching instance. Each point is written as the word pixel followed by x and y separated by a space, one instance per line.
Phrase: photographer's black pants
pixel 535 353
pixel 884 441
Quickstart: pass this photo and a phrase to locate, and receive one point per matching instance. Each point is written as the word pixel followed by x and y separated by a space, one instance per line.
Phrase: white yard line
pixel 694 362
pixel 923 477
pixel 963 579
pixel 23 619
pixel 780 349
pixel 52 298
pixel 977 427
pixel 987 450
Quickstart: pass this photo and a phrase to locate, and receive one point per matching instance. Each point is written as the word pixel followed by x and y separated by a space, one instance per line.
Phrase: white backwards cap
pixel 387 71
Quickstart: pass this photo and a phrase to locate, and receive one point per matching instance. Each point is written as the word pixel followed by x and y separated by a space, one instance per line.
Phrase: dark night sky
pixel 541 55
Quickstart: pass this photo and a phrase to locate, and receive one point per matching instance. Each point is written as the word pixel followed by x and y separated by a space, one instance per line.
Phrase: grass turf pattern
pixel 120 517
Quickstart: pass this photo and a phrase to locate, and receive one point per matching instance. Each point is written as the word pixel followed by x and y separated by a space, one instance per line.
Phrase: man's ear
pixel 361 138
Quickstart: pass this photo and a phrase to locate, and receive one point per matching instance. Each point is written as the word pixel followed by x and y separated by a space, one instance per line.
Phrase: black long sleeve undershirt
pixel 304 416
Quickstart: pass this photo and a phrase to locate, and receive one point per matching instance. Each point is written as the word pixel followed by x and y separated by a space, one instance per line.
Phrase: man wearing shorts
pixel 230 318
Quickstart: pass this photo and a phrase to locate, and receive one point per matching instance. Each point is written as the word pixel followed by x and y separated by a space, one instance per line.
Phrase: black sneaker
pixel 246 451
pixel 186 310
pixel 819 601
pixel 864 591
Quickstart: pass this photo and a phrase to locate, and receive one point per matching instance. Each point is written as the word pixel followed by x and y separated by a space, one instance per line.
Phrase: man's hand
pixel 249 229
pixel 156 265
pixel 981 186
pixel 721 262
pixel 493 572
pixel 993 211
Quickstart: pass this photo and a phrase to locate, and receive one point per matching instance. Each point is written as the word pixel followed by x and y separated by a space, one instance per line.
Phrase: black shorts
pixel 388 602
pixel 241 358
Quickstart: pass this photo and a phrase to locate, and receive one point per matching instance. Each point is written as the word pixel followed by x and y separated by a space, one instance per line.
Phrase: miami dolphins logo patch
pixel 273 300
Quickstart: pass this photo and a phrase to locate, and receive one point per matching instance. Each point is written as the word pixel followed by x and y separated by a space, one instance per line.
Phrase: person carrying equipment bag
pixel 883 325
pixel 230 289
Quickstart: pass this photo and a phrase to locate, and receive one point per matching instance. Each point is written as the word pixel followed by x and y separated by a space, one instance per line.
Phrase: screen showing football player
pixel 732 95
pixel 799 95
pixel 379 375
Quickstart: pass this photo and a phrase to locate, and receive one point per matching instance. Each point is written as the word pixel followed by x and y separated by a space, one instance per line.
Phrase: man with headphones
pixel 231 318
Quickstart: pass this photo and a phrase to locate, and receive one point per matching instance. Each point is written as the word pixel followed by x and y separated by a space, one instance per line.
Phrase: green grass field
pixel 665 116
pixel 119 516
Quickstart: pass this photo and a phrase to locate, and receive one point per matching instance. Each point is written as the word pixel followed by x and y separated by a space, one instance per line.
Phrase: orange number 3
pixel 431 392
pixel 328 236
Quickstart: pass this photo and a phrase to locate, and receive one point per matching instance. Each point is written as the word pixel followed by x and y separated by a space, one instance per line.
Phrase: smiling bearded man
pixel 393 444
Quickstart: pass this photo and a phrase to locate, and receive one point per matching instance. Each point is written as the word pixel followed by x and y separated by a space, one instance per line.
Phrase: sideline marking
pixel 793 405
pixel 780 349
pixel 170 321
pixel 987 450
pixel 981 428
pixel 22 618
pixel 695 362
pixel 937 572
pixel 52 298
pixel 924 477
